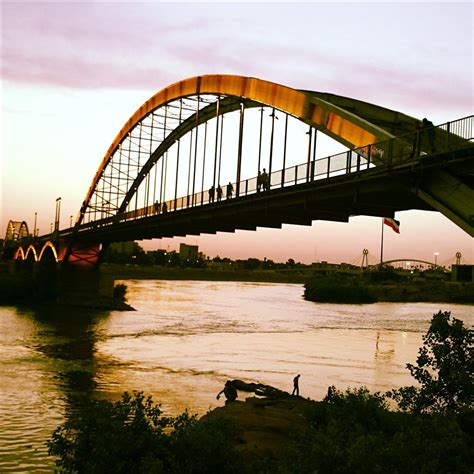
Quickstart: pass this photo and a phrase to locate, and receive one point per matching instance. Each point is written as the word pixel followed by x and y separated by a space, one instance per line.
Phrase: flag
pixel 394 224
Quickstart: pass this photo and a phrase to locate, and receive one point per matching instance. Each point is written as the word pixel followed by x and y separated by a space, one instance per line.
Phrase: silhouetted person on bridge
pixel 229 391
pixel 230 190
pixel 429 133
pixel 165 208
pixel 416 140
pixel 259 181
pixel 211 194
pixel 157 207
pixel 296 386
pixel 219 192
pixel 265 181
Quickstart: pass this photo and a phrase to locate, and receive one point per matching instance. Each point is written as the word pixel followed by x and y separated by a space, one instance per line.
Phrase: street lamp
pixel 436 258
pixel 58 211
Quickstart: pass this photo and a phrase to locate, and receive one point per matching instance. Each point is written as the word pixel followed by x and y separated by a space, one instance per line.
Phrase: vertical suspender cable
pixel 220 151
pixel 177 156
pixel 239 153
pixel 284 151
pixel 313 171
pixel 271 150
pixel 204 160
pixel 308 162
pixel 217 141
pixel 260 140
pixel 195 150
pixel 162 190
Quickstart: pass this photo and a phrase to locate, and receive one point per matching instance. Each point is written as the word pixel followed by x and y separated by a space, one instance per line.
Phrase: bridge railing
pixel 397 151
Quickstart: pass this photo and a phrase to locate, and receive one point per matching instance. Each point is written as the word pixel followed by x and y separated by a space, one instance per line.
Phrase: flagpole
pixel 381 244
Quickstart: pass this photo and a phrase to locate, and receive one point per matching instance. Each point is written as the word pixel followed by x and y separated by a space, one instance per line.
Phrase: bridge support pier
pixel 84 287
pixel 51 282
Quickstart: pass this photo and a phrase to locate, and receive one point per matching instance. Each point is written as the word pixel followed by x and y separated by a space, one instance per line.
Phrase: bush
pixel 444 369
pixel 354 432
pixel 132 435
pixel 383 274
pixel 336 290
pixel 120 292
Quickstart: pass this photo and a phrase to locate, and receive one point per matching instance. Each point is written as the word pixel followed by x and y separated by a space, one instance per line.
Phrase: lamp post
pixel 34 227
pixel 58 211
pixel 436 258
pixel 70 221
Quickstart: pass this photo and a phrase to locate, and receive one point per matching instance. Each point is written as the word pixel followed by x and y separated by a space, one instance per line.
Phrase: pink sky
pixel 73 73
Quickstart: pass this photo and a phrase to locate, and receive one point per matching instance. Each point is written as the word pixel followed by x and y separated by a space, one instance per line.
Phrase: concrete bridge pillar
pixel 84 286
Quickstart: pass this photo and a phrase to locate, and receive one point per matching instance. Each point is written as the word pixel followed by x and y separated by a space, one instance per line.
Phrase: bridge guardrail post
pixel 246 186
pixel 369 153
pixel 296 174
pixel 448 131
pixel 329 166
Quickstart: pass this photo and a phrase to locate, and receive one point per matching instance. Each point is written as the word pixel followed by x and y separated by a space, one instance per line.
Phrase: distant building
pixel 188 252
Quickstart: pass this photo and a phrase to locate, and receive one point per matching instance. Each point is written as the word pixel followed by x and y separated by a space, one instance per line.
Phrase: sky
pixel 73 73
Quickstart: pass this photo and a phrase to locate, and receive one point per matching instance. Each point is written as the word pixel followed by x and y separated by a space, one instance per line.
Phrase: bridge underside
pixel 372 192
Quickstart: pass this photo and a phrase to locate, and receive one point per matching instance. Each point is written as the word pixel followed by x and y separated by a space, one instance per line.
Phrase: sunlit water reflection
pixel 185 339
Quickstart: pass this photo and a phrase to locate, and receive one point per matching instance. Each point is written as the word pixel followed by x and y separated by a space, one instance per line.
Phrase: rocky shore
pixel 264 426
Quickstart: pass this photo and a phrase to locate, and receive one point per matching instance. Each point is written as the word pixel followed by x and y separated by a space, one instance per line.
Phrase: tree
pixel 132 435
pixel 444 369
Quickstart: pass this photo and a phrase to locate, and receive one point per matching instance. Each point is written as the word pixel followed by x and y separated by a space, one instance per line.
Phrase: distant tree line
pixel 161 257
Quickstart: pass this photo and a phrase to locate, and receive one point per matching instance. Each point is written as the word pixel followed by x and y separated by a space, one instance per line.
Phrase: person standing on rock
pixel 296 386
pixel 229 391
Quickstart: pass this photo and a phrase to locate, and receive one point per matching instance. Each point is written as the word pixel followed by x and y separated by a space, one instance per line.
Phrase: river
pixel 181 344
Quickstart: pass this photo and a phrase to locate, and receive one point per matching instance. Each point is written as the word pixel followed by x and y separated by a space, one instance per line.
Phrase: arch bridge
pixel 221 152
pixel 409 264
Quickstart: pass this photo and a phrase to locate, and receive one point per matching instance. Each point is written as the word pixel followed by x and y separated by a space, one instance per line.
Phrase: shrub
pixel 336 290
pixel 354 432
pixel 120 292
pixel 444 369
pixel 132 435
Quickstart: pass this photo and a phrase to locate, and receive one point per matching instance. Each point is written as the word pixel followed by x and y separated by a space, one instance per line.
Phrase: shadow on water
pixel 68 337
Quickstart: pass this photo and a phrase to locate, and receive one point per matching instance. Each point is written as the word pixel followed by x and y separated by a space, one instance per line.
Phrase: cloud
pixel 93 46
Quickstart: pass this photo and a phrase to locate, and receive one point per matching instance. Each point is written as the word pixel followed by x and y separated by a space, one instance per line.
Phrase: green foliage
pixel 384 274
pixel 132 435
pixel 337 290
pixel 444 369
pixel 354 432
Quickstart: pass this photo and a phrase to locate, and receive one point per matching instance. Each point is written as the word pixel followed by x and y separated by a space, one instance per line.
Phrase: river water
pixel 185 339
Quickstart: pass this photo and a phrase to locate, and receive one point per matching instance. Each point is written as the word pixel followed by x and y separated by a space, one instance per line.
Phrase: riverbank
pixel 343 286
pixel 364 289
pixel 21 289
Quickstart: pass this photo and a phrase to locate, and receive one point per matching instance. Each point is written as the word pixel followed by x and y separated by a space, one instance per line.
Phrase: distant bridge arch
pixel 31 251
pixel 16 230
pixel 48 251
pixel 19 254
pixel 412 263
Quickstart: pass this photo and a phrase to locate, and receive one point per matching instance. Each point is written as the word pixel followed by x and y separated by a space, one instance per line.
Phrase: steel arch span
pixel 351 122
pixel 170 151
